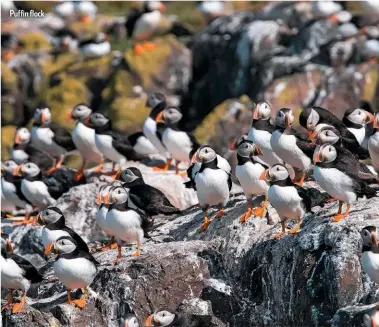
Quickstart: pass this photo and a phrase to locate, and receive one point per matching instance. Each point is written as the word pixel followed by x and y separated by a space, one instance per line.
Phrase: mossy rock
pixel 34 41
pixel 371 80
pixel 7 137
pixel 208 128
pixel 8 77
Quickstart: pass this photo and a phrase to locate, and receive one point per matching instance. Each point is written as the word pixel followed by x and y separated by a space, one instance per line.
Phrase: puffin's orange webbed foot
pixel 339 217
pixel 138 49
pixel 279 235
pixel 148 46
pixel 18 306
pixel 219 214
pixel 81 303
pixel 294 230
pixel 204 225
pixel 79 175
pixel 259 211
pixel 246 216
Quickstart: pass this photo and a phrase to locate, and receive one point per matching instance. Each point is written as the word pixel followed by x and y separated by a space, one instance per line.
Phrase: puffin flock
pixel 274 161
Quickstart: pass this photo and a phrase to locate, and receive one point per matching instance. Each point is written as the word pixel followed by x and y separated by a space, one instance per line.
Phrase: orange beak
pixel 149 321
pixel 17 139
pixel 287 120
pixel 258 150
pixel 106 198
pixel 16 171
pixel 85 19
pixel 193 159
pixel 374 239
pixel 263 175
pixel 43 117
pixel 312 135
pixel 48 248
pixel 97 201
pixel 69 116
pixel 201 157
pixel 334 19
pixel 316 156
pixel 256 113
pixel 370 118
pixel 233 145
pixel 126 323
pixel 160 117
pixel 8 55
pixel 86 121
pixel 376 123
pixel 9 243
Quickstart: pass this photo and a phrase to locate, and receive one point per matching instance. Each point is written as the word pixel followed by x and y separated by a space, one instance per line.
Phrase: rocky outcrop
pixel 231 275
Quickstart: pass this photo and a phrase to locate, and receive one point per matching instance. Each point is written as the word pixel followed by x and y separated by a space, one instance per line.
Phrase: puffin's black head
pixel 49 215
pixel 206 154
pixel 324 153
pixel 64 244
pixel 80 112
pixel 8 166
pixel 130 320
pixel 42 116
pixel 326 135
pixel 236 142
pixel 155 99
pixel 369 236
pixel 130 175
pixel 249 149
pixel 170 115
pixel 284 118
pixel 262 110
pixel 118 195
pixel 28 169
pixel 96 119
pixel 22 135
pixel 160 318
pixel 309 118
pixel 275 173
pixel 358 117
pixel 150 6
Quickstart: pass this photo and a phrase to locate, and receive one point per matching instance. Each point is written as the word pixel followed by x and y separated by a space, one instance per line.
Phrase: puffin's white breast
pixel 94 50
pixel 177 143
pixel 262 139
pixel 146 25
pixel 144 146
pixel 37 193
pixel 84 139
pixel 248 175
pixel 9 191
pixel 370 264
pixel 125 225
pixel 359 133
pixel 149 130
pixel 12 275
pixel 373 148
pixel 19 156
pixel 42 139
pixel 101 220
pixel 105 146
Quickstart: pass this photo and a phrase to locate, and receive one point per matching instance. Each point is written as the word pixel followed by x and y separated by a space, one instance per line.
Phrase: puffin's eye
pixel 47 213
pixel 206 151
pixel 119 192
pixel 277 168
pixel 330 149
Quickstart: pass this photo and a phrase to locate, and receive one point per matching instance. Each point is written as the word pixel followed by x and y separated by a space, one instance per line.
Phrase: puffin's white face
pixel 163 318
pixel 80 111
pixel 22 136
pixel 128 176
pixel 369 236
pixel 276 173
pixel 8 166
pixel 29 169
pixel 97 119
pixel 48 216
pixel 172 115
pixel 249 149
pixel 118 195
pixel 327 136
pixel 313 120
pixel 64 245
pixel 360 116
pixel 155 5
pixel 131 322
pixel 206 154
pixel 285 118
pixel 324 153
pixel 262 111
pixel 42 116
pixel 101 37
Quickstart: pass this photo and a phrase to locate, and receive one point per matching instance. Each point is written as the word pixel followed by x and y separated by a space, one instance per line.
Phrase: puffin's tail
pixel 169 210
pixel 370 192
pixel 189 184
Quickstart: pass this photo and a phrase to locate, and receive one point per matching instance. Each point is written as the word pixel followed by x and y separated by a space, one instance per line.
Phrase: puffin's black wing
pixel 30 272
pixel 133 138
pixel 60 182
pixel 195 143
pixel 354 147
pixel 16 181
pixel 306 147
pixel 131 20
pixel 312 197
pixel 81 245
pixel 191 182
pixel 160 129
pixel 146 223
pixel 62 137
pixel 85 42
pixel 122 145
pixel 298 135
pixel 42 159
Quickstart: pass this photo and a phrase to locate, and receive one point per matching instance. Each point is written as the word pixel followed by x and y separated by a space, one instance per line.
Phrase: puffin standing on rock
pixel 54 224
pixel 248 172
pixel 84 139
pixel 290 145
pixel 17 273
pixel 145 197
pixel 51 138
pixel 261 131
pixel 24 151
pixel 74 267
pixel 339 176
pixel 289 200
pixel 213 184
pixel 177 142
pixel 370 256
pixel 95 47
pixel 373 144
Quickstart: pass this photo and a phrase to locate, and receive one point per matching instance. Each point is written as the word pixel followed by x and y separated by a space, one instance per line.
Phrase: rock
pixel 232 275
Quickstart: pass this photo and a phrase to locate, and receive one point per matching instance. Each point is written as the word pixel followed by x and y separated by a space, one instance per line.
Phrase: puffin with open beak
pixel 339 176
pixel 74 268
pixel 54 226
pixel 290 145
pixel 213 184
pixel 289 200
pixel 370 256
pixel 24 151
pixel 261 131
pixel 51 138
pixel 84 139
pixel 176 141
pixel 112 144
pixel 356 120
pixel 373 144
pixel 248 172
pixel 17 273
pixel 312 117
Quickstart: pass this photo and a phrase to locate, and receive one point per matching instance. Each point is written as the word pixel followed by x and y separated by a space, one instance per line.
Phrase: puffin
pixel 373 144
pixel 165 318
pixel 130 320
pixel 64 40
pixel 157 103
pixel 329 135
pixel 17 273
pixel 290 145
pixel 338 175
pixel 127 224
pixel 141 144
pixel 370 50
pixel 261 131
pixel 142 24
pixel 211 9
pixel 54 224
pixel 50 137
pixel 176 141
pixel 40 190
pixel 11 188
pixel 74 268
pixel 356 120
pixel 213 184
pixel 65 9
pixel 84 139
pixel 290 200
pixel 112 144
pixel 85 11
pixel 311 117
pixel 370 249
pixel 24 151
pixel 145 197
pixel 371 318
pixel 95 47
pixel 248 173
pixel 101 215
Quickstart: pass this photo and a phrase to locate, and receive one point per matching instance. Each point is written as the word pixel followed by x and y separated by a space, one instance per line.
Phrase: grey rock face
pixel 232 275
